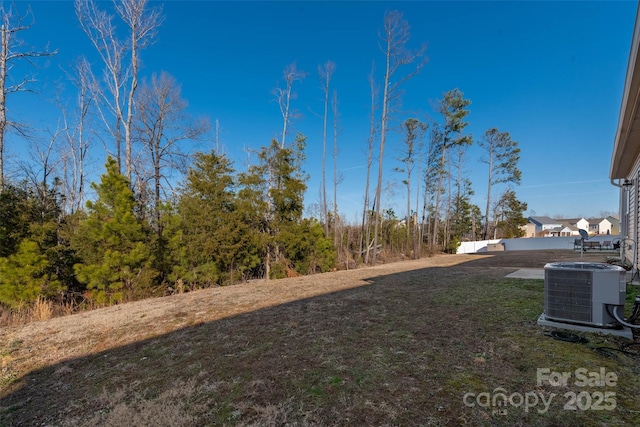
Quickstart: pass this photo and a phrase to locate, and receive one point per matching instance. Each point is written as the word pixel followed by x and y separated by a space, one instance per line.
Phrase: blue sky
pixel 549 73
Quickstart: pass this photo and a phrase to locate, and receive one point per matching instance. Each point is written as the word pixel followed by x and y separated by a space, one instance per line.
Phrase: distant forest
pixel 67 243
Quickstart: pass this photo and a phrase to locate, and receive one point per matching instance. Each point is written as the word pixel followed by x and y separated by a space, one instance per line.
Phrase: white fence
pixel 531 243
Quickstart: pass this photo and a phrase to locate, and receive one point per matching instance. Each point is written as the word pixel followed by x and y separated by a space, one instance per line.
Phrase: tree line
pixel 136 233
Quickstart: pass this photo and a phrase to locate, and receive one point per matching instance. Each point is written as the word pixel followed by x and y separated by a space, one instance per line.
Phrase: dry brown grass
pixel 40 310
pixel 395 344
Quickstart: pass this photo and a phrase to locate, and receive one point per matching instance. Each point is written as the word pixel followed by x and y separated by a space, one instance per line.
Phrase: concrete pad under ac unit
pixel 527 273
pixel 623 331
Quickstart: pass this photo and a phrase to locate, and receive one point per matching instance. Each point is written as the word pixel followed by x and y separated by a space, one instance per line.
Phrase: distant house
pixel 566 230
pixel 578 223
pixel 599 226
pixel 529 229
pixel 540 224
pixel 625 159
pixel 544 226
pixel 615 224
pixel 561 231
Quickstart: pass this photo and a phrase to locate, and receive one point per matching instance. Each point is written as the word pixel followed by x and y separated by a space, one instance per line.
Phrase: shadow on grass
pixel 405 349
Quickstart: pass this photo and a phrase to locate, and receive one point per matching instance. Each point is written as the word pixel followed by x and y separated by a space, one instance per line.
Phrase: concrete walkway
pixel 527 273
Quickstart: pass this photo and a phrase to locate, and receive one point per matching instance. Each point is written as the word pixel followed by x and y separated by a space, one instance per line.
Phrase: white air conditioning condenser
pixel 584 293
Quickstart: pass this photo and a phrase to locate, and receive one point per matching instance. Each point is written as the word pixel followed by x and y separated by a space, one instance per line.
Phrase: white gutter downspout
pixel 624 232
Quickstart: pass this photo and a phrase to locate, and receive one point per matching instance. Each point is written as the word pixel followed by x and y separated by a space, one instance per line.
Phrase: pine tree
pixel 272 197
pixel 36 257
pixel 465 217
pixel 24 277
pixel 501 155
pixel 307 247
pixel 219 247
pixel 14 225
pixel 453 108
pixel 112 242
pixel 510 215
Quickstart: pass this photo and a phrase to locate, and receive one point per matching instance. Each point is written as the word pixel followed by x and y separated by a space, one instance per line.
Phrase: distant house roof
pixel 543 220
pixel 597 220
pixel 571 220
pixel 569 226
pixel 564 228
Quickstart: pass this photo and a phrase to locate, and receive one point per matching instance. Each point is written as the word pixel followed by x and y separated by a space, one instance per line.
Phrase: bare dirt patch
pixel 395 344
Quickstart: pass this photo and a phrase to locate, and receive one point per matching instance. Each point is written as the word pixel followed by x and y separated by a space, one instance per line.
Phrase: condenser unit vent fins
pixel 569 295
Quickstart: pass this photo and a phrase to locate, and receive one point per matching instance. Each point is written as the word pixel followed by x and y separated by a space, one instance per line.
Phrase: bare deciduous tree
pixel 143 23
pixel 366 216
pixel 98 26
pixel 393 44
pixel 413 130
pixel 285 95
pixel 326 72
pixel 43 161
pixel 120 77
pixel 13 50
pixel 76 135
pixel 336 178
pixel 162 123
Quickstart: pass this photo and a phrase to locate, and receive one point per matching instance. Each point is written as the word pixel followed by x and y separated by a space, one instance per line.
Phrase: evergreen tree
pixel 290 183
pixel 14 221
pixel 465 217
pixel 219 246
pixel 453 108
pixel 24 277
pixel 413 130
pixel 273 201
pixel 30 223
pixel 502 156
pixel 165 250
pixel 112 243
pixel 307 247
pixel 511 216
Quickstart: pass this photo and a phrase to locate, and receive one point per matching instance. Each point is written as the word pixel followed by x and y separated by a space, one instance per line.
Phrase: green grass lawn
pixel 435 346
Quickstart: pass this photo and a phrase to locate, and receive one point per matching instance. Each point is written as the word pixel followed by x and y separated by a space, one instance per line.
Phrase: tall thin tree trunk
pixel 285 116
pixel 436 214
pixel 417 235
pixel 3 99
pixel 364 236
pixel 383 137
pixel 157 174
pixel 291 74
pixel 325 215
pixel 129 121
pixel 11 51
pixel 485 231
pixel 217 136
pixel 335 166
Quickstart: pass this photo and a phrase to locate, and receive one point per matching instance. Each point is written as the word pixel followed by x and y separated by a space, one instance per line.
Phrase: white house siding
pixel 626 210
pixel 634 220
pixel 583 224
pixel 530 230
pixel 550 226
pixel 625 159
pixel 566 231
pixel 604 227
pixel 631 215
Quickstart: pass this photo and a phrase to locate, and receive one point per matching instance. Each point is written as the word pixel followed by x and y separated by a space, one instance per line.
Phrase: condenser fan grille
pixel 568 295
